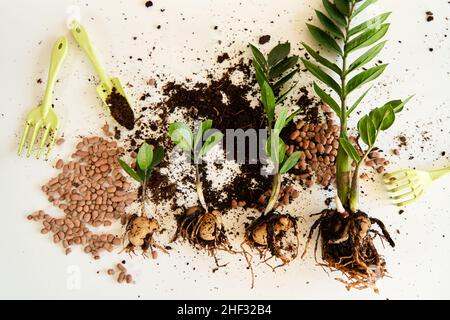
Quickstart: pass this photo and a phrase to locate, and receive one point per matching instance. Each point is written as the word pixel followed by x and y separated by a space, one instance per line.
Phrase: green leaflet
pixel 343 6
pixel 182 136
pixel 283 66
pixel 373 23
pixel 367 38
pixel 334 13
pixel 268 100
pixel 325 62
pixel 285 79
pixel 204 126
pixel 366 57
pixel 383 117
pixel 349 149
pixel 327 99
pixel 324 38
pixel 364 77
pixel 258 57
pixel 278 53
pixel 210 142
pixel 322 76
pixel 367 130
pixel 290 162
pixel 145 156
pixel 329 25
pixel 130 171
pixel 357 102
pixel 362 7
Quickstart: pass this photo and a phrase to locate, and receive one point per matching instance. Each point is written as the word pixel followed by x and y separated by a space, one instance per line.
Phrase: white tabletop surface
pixel 32 267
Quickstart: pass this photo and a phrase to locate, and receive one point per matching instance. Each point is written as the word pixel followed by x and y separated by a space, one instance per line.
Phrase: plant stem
pixel 199 188
pixel 343 163
pixel 276 186
pixel 144 195
pixel 354 192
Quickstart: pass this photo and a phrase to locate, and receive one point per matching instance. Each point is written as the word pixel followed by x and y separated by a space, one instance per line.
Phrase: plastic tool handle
pixel 82 38
pixel 59 52
pixel 435 174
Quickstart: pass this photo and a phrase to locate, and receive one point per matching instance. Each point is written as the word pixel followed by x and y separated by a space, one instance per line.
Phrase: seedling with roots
pixel 198 225
pixel 346 233
pixel 273 233
pixel 141 228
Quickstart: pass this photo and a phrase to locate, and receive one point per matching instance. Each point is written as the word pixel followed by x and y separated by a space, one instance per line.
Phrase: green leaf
pixel 326 98
pixel 268 100
pixel 285 94
pixel 292 115
pixel 278 53
pixel 283 66
pixel 343 6
pixel 373 23
pixel 364 77
pixel 210 142
pixel 322 76
pixel 329 25
pixel 182 136
pixel 367 38
pixel 258 57
pixel 158 157
pixel 324 39
pixel 285 79
pixel 290 162
pixel 260 75
pixel 278 150
pixel 325 62
pixel 334 13
pixel 349 149
pixel 130 171
pixel 397 105
pixel 367 130
pixel 363 7
pixel 357 102
pixel 383 117
pixel 145 156
pixel 281 120
pixel 204 126
pixel 366 57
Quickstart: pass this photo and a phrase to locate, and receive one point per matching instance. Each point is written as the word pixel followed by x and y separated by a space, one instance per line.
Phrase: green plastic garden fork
pixel 44 117
pixel 408 185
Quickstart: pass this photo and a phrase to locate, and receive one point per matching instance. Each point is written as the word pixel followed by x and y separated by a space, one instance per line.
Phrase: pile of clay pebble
pixel 92 192
pixel 287 194
pixel 319 143
pixel 124 276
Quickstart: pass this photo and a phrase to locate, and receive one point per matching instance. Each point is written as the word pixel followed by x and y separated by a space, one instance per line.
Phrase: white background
pixel 32 267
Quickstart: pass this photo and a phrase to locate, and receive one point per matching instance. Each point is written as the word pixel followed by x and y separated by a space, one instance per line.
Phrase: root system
pixel 347 246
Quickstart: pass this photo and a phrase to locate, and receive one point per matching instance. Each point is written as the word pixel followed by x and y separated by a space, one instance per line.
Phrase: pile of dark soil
pixel 120 109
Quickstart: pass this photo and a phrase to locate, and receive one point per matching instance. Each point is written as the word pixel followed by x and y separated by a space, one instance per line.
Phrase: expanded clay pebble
pixel 92 191
pixel 285 197
pixel 319 143
pixel 123 276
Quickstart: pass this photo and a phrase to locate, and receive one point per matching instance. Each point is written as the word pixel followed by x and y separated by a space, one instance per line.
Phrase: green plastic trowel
pixel 110 90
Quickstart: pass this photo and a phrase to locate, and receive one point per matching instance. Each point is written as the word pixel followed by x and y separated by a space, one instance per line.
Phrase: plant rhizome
pixel 347 234
pixel 272 232
pixel 198 225
pixel 141 228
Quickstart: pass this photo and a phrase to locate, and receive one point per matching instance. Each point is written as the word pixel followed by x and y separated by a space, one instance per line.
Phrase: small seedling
pixel 141 228
pixel 202 228
pixel 346 232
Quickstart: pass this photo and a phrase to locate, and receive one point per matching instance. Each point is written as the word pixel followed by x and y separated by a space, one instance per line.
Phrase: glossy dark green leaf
pixel 365 77
pixel 258 57
pixel 324 38
pixel 283 66
pixel 357 102
pixel 367 38
pixel 278 53
pixel 268 100
pixel 366 57
pixel 325 62
pixel 362 7
pixel 397 105
pixel 367 130
pixel 334 13
pixel 343 6
pixel 349 149
pixel 326 98
pixel 322 76
pixel 329 25
pixel 373 23
pixel 145 156
pixel 284 80
pixel 383 117
pixel 290 162
pixel 182 136
pixel 130 171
